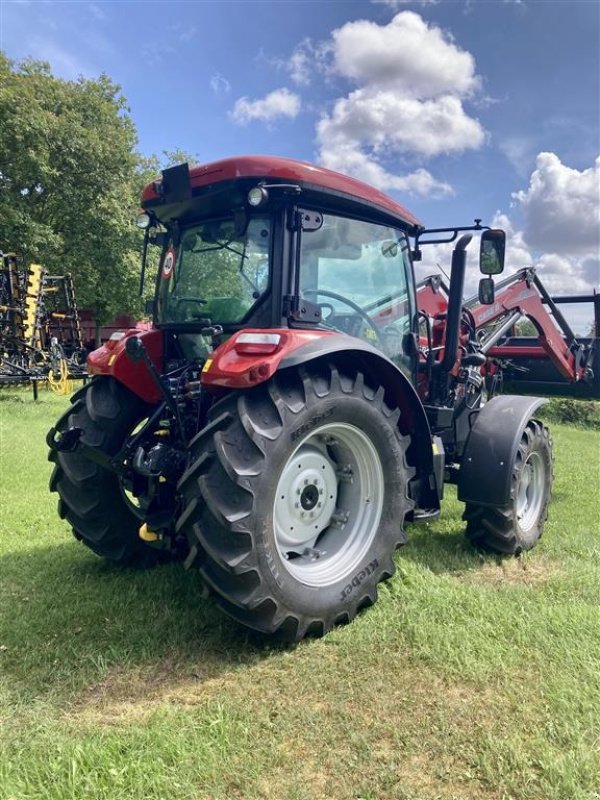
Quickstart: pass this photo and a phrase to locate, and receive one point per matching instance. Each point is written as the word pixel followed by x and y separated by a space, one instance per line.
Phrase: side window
pixel 357 272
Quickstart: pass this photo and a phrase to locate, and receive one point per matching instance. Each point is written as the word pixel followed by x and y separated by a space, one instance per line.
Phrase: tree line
pixel 70 182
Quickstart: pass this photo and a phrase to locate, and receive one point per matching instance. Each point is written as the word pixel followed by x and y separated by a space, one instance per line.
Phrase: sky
pixel 459 109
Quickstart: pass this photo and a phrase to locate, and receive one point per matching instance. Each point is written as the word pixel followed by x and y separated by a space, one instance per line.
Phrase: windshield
pixel 357 272
pixel 215 273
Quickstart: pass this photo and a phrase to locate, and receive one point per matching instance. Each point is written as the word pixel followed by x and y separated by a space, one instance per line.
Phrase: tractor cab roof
pixel 317 185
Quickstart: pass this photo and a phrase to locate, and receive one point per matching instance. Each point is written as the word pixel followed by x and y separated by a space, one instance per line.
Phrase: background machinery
pixel 40 334
pixel 299 399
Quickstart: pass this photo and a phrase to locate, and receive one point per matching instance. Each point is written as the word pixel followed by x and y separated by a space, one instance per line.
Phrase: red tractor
pixel 299 399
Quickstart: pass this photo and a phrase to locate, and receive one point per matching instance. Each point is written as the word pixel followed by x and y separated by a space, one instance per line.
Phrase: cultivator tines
pixel 40 333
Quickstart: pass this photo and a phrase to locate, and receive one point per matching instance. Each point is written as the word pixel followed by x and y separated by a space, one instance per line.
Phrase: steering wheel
pixel 361 313
pixel 182 301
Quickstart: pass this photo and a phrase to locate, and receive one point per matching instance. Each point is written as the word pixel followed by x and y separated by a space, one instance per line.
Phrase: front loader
pixel 295 403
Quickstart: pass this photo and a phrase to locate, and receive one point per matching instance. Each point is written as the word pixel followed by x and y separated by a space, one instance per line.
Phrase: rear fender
pixel 399 392
pixel 111 359
pixel 491 448
pixel 229 369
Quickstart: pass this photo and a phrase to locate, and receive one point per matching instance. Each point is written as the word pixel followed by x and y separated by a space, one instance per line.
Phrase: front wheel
pixel 295 500
pixel 91 498
pixel 518 525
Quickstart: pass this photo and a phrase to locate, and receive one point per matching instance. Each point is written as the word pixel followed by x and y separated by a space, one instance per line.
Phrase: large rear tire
pixel 91 498
pixel 518 525
pixel 295 499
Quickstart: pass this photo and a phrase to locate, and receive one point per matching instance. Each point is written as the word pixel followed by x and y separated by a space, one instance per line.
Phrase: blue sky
pixel 459 109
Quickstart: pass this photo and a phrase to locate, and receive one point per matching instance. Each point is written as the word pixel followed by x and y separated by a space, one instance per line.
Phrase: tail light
pixel 249 344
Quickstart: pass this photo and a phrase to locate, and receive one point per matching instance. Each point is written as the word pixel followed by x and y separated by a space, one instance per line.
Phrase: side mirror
pixel 149 308
pixel 486 291
pixel 491 252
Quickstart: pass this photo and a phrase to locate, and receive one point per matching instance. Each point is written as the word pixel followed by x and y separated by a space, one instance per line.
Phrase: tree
pixel 70 181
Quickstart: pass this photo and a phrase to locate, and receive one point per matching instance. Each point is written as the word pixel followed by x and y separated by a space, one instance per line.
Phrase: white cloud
pixel 560 234
pixel 407 56
pixel 411 80
pixel 562 207
pixel 307 59
pixel 385 120
pixel 300 64
pixel 396 5
pixel 279 103
pixel 348 158
pixel 219 84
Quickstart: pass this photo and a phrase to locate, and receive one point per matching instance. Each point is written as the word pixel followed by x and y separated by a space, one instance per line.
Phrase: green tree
pixel 70 181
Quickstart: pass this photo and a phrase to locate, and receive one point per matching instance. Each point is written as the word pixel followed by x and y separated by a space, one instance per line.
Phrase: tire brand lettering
pixel 359 578
pixel 273 568
pixel 311 424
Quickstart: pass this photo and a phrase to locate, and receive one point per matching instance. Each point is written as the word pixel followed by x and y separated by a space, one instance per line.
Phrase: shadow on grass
pixel 443 552
pixel 68 619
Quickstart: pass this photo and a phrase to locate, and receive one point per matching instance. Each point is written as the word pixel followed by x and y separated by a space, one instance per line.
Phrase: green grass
pixel 473 677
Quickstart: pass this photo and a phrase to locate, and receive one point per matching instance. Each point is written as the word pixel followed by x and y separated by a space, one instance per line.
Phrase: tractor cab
pixel 271 243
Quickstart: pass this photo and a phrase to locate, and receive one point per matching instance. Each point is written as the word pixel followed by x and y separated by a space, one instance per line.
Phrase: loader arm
pixel 524 293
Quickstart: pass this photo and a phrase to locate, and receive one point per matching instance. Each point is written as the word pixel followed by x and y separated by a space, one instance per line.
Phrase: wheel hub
pixel 309 497
pixel 306 498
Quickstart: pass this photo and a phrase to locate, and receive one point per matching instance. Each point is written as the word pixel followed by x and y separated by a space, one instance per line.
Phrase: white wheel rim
pixel 530 491
pixel 328 504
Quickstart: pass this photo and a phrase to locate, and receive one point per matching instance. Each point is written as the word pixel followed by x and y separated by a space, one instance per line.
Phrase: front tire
pixel 295 499
pixel 519 525
pixel 91 498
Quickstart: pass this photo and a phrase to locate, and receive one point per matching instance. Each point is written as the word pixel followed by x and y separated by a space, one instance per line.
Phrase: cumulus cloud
pixel 279 103
pixel 561 207
pixel 558 236
pixel 407 56
pixel 384 120
pixel 410 81
pixel 347 157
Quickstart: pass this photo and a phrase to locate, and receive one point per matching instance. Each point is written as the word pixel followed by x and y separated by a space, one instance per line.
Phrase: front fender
pixel 491 449
pixel 111 359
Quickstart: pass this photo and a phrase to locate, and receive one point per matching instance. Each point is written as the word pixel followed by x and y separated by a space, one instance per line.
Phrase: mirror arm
pixel 144 258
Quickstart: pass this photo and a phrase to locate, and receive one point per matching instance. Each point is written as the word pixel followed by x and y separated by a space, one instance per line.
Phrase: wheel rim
pixel 328 504
pixel 530 491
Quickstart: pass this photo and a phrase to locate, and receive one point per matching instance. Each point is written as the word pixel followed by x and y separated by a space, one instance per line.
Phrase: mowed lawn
pixel 472 677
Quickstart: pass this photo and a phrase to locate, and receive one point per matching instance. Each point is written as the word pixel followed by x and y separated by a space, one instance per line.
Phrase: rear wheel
pixel 92 498
pixel 518 525
pixel 295 499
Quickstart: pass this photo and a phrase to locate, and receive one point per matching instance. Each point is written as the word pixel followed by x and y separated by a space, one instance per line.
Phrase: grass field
pixel 473 677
